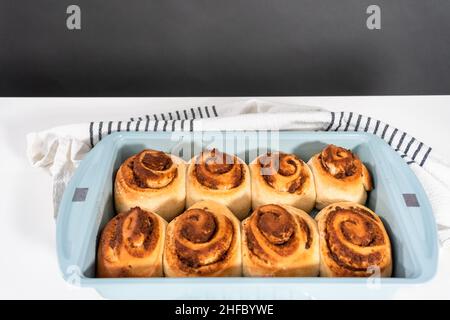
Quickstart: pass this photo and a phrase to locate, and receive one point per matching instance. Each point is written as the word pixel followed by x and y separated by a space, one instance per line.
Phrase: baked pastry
pixel 339 175
pixel 219 177
pixel 282 178
pixel 204 241
pixel 280 241
pixel 154 181
pixel 353 242
pixel 131 245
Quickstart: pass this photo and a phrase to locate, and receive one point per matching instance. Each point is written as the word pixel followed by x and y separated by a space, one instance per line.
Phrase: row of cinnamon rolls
pixel 345 239
pixel 165 184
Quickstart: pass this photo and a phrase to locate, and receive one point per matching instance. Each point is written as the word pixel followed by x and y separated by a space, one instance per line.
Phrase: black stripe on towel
pixel 185 114
pixel 410 162
pixel 403 156
pixel 410 144
pixel 358 122
pixel 119 126
pixel 128 125
pixel 207 112
pixel 417 151
pixel 182 124
pixel 155 117
pixel 191 125
pixel 156 126
pixel 178 115
pixel 109 127
pixel 377 125
pixel 91 134
pixel 366 128
pixel 165 125
pixel 425 157
pixel 147 123
pixel 393 136
pixel 162 116
pixel 331 122
pixel 200 112
pixel 348 122
pixel 138 123
pixel 215 111
pixel 340 121
pixel 173 125
pixel 401 140
pixel 384 131
pixel 100 127
pixel 170 116
pixel 193 113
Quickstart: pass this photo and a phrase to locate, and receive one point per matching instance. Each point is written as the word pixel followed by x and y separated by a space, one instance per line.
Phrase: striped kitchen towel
pixel 59 150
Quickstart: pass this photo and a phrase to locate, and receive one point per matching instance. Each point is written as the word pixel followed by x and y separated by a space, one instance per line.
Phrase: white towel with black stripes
pixel 59 150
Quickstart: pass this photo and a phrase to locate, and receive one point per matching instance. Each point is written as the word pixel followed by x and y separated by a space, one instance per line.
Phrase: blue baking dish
pixel 87 205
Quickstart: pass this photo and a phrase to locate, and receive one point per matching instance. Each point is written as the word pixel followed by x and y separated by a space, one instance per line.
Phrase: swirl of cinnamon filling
pixel 355 240
pixel 218 170
pixel 128 237
pixel 274 235
pixel 150 169
pixel 202 241
pixel 340 162
pixel 283 172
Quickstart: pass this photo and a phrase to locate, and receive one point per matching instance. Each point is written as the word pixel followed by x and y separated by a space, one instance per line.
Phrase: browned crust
pixel 332 182
pixel 218 171
pixel 349 230
pixel 128 243
pixel 201 242
pixel 273 166
pixel 339 162
pixel 273 234
pixel 149 169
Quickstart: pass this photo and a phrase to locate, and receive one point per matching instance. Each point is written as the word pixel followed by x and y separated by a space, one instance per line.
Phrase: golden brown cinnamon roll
pixel 339 175
pixel 280 241
pixel 131 245
pixel 219 177
pixel 154 181
pixel 353 242
pixel 204 241
pixel 282 178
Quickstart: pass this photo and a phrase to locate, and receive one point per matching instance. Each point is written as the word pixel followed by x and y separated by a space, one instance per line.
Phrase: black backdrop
pixel 224 48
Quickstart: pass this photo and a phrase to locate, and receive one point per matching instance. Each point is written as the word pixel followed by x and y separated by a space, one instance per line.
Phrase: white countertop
pixel 28 267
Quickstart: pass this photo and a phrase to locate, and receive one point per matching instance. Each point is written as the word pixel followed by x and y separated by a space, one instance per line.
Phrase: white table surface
pixel 28 264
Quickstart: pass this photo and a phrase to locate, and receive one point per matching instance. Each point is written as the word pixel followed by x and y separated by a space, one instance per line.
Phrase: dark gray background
pixel 224 48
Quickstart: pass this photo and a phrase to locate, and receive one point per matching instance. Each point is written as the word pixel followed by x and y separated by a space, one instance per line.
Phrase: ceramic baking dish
pixel 398 197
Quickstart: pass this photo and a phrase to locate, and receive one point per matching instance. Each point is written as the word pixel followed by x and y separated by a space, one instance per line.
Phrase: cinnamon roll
pixel 219 177
pixel 154 181
pixel 131 245
pixel 282 178
pixel 339 175
pixel 353 242
pixel 204 241
pixel 280 241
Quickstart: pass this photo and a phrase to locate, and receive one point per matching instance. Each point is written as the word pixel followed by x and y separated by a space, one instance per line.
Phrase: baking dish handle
pixel 78 200
pixel 414 199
